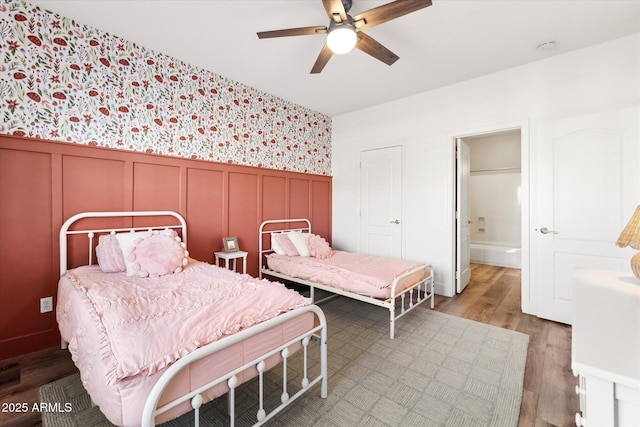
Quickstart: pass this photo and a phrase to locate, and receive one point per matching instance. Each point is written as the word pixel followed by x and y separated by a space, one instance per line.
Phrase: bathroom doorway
pixel 494 201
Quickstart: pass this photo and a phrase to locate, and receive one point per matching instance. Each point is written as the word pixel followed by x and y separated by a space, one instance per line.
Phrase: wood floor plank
pixel 555 404
pixel 20 409
pixel 538 331
pixel 528 409
pixel 508 313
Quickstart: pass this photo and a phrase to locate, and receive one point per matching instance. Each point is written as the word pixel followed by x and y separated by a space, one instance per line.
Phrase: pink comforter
pixel 145 324
pixel 363 274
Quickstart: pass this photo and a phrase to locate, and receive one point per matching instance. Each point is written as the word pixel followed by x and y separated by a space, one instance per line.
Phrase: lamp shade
pixel 341 37
pixel 630 236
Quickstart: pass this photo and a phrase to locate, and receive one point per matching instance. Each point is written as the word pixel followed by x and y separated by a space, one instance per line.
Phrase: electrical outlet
pixel 46 304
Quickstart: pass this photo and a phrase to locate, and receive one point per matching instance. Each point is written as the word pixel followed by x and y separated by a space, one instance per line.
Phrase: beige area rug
pixel 440 370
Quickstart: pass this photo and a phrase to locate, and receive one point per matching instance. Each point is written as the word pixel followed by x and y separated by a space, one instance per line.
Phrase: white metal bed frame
pixel 151 409
pixel 424 289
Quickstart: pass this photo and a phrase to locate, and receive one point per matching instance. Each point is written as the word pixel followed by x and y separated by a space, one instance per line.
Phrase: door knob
pixel 397 221
pixel 545 230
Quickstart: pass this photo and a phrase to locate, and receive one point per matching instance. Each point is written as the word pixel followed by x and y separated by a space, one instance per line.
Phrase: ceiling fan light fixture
pixel 341 37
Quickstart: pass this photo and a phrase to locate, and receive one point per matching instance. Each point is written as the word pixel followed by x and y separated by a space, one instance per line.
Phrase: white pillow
pixel 299 240
pixel 127 246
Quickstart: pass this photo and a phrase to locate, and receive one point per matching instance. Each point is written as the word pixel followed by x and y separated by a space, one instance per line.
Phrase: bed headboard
pixel 275 226
pixel 65 230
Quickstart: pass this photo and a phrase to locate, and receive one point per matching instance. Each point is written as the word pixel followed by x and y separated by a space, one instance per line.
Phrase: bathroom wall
pixel 494 189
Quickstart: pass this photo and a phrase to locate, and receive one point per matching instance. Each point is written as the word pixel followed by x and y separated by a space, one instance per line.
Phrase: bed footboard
pixel 398 304
pixel 152 408
pixel 417 293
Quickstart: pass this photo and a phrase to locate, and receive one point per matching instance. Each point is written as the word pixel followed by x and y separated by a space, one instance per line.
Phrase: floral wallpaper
pixel 64 81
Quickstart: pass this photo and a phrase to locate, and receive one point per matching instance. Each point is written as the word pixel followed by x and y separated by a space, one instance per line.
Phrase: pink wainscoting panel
pixel 156 187
pixel 320 211
pixel 91 184
pixel 26 239
pixel 97 184
pixel 274 197
pixel 243 214
pixel 299 198
pixel 205 211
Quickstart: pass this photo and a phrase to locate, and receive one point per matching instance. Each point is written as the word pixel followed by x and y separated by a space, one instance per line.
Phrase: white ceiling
pixel 448 42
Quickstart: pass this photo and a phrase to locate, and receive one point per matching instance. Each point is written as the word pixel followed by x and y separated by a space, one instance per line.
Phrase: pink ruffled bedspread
pixel 362 274
pixel 145 324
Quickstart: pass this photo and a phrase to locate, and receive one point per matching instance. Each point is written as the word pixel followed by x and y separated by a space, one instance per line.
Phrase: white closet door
pixel 381 202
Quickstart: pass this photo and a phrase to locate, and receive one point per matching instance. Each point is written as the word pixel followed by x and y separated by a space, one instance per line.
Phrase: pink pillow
pixel 158 254
pixel 286 244
pixel 109 254
pixel 318 247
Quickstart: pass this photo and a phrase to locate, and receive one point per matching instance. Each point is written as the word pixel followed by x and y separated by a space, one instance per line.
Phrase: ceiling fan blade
pixel 304 31
pixel 335 7
pixel 375 49
pixel 324 57
pixel 387 12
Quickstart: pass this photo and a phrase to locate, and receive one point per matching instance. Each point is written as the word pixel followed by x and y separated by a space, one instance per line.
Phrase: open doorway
pixel 489 203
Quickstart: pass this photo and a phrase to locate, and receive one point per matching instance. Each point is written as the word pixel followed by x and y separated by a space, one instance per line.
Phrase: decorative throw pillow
pixel 299 240
pixel 158 254
pixel 285 243
pixel 318 246
pixel 127 245
pixel 275 245
pixel 109 254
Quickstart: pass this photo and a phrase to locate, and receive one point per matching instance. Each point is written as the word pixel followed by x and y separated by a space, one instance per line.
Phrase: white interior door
pixel 587 187
pixel 463 254
pixel 381 202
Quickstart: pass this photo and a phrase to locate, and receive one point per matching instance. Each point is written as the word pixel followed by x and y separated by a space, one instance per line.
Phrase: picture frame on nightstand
pixel 230 244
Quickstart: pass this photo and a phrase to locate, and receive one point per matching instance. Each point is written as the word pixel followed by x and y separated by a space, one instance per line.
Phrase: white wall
pixel 495 189
pixel 495 197
pixel 599 78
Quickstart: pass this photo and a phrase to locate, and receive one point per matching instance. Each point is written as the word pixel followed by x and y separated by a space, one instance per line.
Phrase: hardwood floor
pixel 35 369
pixel 492 297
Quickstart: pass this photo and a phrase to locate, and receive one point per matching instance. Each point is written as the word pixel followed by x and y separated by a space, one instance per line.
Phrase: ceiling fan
pixel 345 32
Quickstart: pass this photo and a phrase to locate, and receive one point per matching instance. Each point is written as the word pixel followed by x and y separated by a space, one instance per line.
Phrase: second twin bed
pixel 289 251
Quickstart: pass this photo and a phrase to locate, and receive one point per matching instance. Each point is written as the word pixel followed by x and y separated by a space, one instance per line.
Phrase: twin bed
pixel 156 334
pixel 397 285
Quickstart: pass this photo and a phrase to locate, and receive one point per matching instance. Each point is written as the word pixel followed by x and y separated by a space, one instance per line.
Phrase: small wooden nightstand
pixel 226 256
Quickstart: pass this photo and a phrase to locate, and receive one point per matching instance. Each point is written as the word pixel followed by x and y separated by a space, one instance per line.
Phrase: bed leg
pixel 196 403
pixel 231 399
pixel 433 294
pixel 323 362
pixel 392 321
pixel 432 282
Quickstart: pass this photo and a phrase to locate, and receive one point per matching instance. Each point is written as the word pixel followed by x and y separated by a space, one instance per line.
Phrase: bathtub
pixel 495 254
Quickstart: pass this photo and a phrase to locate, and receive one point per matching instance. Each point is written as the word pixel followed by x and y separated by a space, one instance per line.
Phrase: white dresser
pixel 606 348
